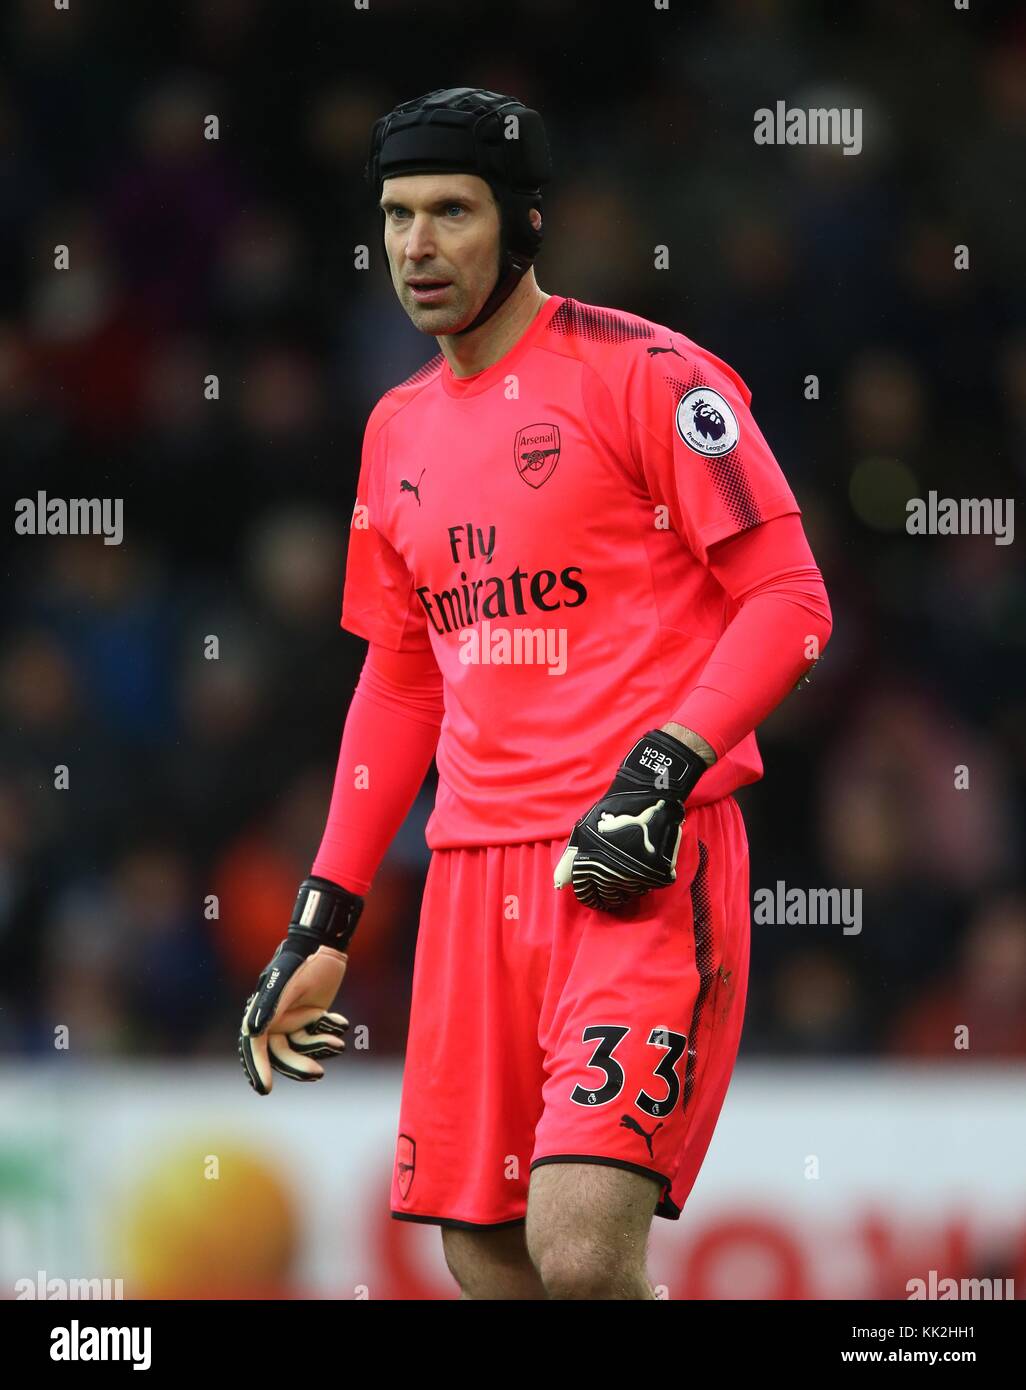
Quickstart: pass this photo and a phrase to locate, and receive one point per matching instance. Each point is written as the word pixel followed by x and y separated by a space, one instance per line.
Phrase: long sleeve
pixel 777 634
pixel 388 741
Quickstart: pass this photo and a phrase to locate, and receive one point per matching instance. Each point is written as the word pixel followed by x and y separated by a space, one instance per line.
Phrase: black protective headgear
pixel 464 130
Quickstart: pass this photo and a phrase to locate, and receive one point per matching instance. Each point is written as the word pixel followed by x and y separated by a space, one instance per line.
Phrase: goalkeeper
pixel 560 476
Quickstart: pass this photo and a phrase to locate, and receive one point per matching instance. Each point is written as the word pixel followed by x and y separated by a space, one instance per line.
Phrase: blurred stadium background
pixel 191 778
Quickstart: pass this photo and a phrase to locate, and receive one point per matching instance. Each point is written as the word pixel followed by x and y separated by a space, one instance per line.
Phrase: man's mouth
pixel 426 291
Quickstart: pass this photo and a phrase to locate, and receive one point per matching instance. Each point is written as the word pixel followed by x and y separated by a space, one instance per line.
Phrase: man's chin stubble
pixel 438 322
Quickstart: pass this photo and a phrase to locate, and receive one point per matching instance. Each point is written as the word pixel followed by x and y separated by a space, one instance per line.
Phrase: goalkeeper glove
pixel 286 1026
pixel 628 842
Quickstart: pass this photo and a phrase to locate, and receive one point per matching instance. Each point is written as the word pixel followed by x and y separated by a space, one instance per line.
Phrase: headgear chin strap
pixel 464 130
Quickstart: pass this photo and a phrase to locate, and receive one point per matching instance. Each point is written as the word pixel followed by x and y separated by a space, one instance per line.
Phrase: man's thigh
pixel 587 1230
pixel 491 1263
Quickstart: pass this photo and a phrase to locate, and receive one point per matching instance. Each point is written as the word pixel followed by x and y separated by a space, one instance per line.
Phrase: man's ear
pixel 536 219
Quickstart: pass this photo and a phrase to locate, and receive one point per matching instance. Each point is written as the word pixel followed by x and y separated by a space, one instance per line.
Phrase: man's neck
pixel 473 352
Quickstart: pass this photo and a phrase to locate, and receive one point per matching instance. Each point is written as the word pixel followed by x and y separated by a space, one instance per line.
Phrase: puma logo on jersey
pixel 608 823
pixel 405 486
pixel 653 350
pixel 629 1122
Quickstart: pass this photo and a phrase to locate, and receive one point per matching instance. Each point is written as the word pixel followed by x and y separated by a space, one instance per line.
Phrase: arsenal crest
pixel 536 453
pixel 405 1162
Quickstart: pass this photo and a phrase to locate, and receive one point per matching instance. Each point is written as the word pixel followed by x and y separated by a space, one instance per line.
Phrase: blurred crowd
pixel 138 904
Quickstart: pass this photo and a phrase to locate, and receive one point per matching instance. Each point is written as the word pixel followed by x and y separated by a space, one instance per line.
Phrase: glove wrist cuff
pixel 324 915
pixel 661 762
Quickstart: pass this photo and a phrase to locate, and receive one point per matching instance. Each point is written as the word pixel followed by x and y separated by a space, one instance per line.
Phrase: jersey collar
pixel 460 387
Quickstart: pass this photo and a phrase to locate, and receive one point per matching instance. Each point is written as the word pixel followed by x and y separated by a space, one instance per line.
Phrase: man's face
pixel 442 230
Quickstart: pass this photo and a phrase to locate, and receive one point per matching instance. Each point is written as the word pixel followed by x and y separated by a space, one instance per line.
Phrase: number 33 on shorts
pixel 608 1038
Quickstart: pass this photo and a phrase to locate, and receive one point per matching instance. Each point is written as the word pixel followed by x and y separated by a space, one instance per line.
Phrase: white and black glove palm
pixel 287 1025
pixel 627 843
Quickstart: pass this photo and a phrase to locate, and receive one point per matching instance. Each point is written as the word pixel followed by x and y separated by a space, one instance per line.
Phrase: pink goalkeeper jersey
pixel 544 527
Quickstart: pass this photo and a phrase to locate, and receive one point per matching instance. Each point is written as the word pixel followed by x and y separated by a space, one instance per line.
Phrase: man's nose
pixel 420 242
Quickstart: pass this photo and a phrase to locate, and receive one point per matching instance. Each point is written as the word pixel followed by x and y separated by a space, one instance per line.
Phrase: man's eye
pixel 454 208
